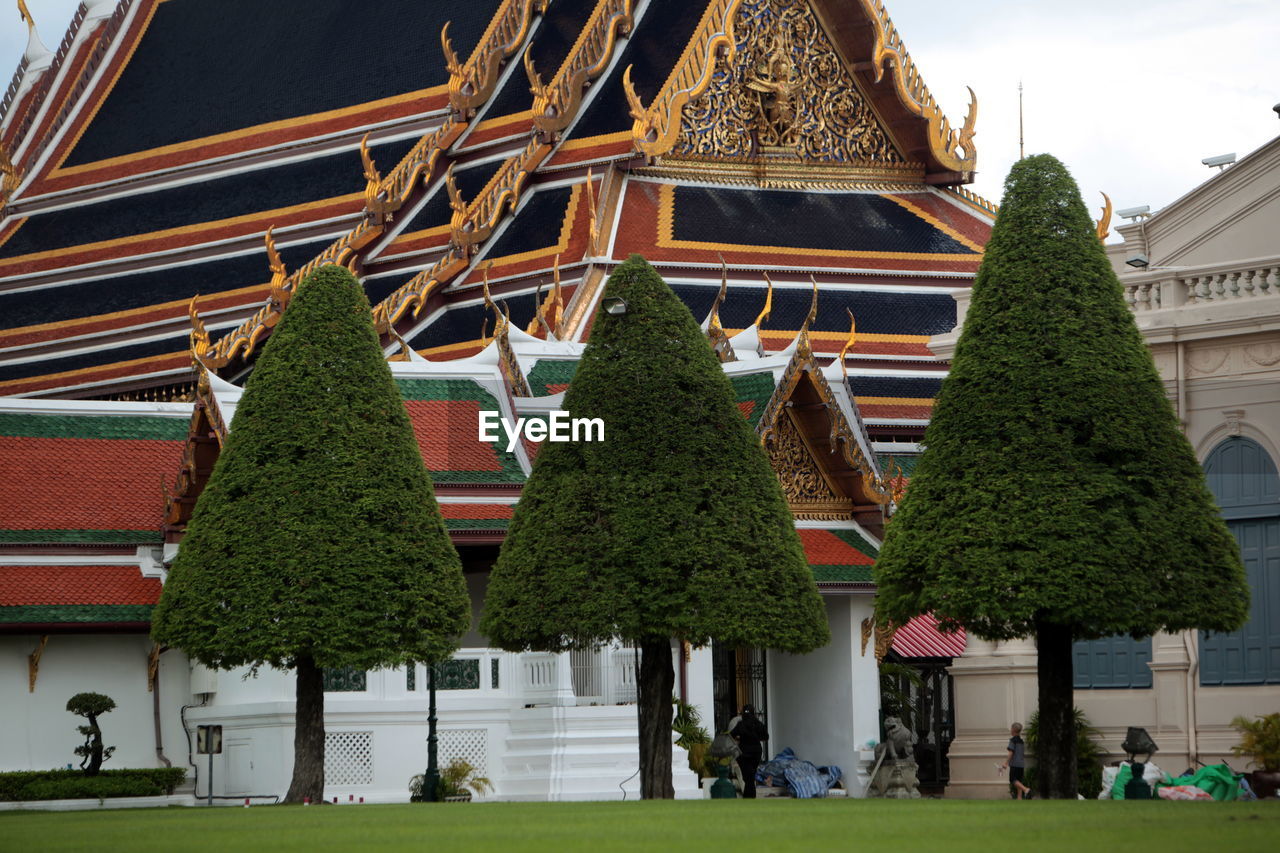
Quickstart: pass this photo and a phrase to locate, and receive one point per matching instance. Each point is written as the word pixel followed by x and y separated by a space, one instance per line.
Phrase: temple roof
pixel 71 477
pixel 150 158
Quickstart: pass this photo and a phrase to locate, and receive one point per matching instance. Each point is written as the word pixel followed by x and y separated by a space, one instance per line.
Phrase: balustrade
pixel 1199 286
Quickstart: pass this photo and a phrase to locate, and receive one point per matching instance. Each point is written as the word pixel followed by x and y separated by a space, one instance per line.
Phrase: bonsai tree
pixel 318 541
pixel 91 706
pixel 673 526
pixel 1057 496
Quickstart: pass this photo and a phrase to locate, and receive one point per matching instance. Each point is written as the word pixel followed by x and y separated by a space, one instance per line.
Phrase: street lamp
pixel 431 779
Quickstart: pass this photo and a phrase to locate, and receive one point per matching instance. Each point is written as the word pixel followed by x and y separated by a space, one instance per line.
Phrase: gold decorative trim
pixel 419 164
pixel 657 126
pixel 33 663
pixel 843 435
pixel 889 51
pixel 974 200
pixel 10 176
pixel 556 103
pixel 788 173
pixel 470 85
pixel 475 222
pixel 413 293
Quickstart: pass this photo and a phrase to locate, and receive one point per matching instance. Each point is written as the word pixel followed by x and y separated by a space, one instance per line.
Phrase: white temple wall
pixel 38 733
pixel 825 704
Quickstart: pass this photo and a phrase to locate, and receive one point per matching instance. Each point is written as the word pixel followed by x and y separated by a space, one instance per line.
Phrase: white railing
pixel 546 678
pixel 604 676
pixel 1249 279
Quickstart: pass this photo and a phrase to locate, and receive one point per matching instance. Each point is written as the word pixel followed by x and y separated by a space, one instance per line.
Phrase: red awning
pixel 920 638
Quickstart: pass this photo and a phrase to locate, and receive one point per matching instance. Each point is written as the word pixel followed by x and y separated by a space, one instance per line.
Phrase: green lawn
pixel 930 826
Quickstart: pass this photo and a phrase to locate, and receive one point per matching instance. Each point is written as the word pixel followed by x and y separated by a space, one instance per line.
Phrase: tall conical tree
pixel 317 542
pixel 673 526
pixel 1057 497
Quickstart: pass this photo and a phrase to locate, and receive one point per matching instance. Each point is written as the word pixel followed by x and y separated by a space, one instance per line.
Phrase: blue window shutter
pixel 1112 662
pixel 1244 481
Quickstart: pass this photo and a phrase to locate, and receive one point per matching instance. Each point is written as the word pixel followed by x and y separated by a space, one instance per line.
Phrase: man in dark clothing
pixel 750 734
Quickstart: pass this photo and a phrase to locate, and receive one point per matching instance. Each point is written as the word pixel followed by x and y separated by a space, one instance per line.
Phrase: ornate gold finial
pixel 969 129
pixel 594 225
pixel 489 303
pixel 539 319
pixel 536 86
pixel 848 345
pixel 456 204
pixel 813 307
pixel 557 297
pixel 637 109
pixel 451 63
pixel 403 354
pixel 25 13
pixel 372 180
pixel 1104 224
pixel 713 321
pixel 199 338
pixel 768 304
pixel 279 295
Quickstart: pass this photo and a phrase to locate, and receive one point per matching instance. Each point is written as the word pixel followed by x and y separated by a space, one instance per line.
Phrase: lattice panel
pixel 468 744
pixel 348 758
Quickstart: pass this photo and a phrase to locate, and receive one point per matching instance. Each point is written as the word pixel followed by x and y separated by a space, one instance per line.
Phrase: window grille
pixel 345 679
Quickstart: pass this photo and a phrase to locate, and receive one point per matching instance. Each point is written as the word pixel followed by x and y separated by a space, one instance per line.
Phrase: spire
pixel 848 345
pixel 36 51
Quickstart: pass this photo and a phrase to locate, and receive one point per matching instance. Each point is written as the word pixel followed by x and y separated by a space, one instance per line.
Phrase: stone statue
pixel 898 745
pixel 895 774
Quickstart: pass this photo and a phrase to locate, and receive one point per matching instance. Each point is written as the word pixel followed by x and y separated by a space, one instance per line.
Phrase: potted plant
pixel 1260 740
pixel 457 782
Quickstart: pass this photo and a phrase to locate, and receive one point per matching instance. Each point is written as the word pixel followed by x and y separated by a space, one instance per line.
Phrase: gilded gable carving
pixel 785 92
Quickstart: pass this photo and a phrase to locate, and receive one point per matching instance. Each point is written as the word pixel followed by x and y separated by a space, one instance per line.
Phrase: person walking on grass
pixel 750 734
pixel 1017 764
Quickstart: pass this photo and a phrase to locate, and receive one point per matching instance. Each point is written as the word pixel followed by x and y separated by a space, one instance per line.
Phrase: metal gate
pixel 931 717
pixel 739 678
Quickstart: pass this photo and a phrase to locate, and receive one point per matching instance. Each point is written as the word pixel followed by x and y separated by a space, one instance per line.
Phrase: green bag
pixel 1122 779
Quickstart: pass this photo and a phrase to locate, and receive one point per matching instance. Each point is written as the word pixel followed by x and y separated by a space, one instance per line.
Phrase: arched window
pixel 1243 479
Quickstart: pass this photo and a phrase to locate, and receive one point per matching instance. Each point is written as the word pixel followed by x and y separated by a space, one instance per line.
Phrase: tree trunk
pixel 95 747
pixel 308 734
pixel 1056 744
pixel 654 710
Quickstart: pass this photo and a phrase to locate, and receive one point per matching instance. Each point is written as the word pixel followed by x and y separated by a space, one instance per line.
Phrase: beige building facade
pixel 1208 304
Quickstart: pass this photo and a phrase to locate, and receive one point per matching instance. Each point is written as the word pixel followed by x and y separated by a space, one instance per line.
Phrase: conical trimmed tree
pixel 1057 496
pixel 673 526
pixel 317 542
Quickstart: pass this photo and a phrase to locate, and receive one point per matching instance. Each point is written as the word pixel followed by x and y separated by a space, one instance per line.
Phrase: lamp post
pixel 1138 742
pixel 431 779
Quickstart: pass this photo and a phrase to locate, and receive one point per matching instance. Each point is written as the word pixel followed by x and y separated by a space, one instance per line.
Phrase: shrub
pixel 28 785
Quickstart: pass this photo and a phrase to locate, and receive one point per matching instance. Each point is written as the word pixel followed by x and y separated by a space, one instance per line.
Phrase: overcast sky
pixel 1130 94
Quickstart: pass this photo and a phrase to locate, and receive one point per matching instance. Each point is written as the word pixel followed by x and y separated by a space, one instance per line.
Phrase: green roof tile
pixel 25 425
pixel 842 574
pixel 119 537
pixel 856 541
pixel 71 613
pixel 754 388
pixel 547 371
